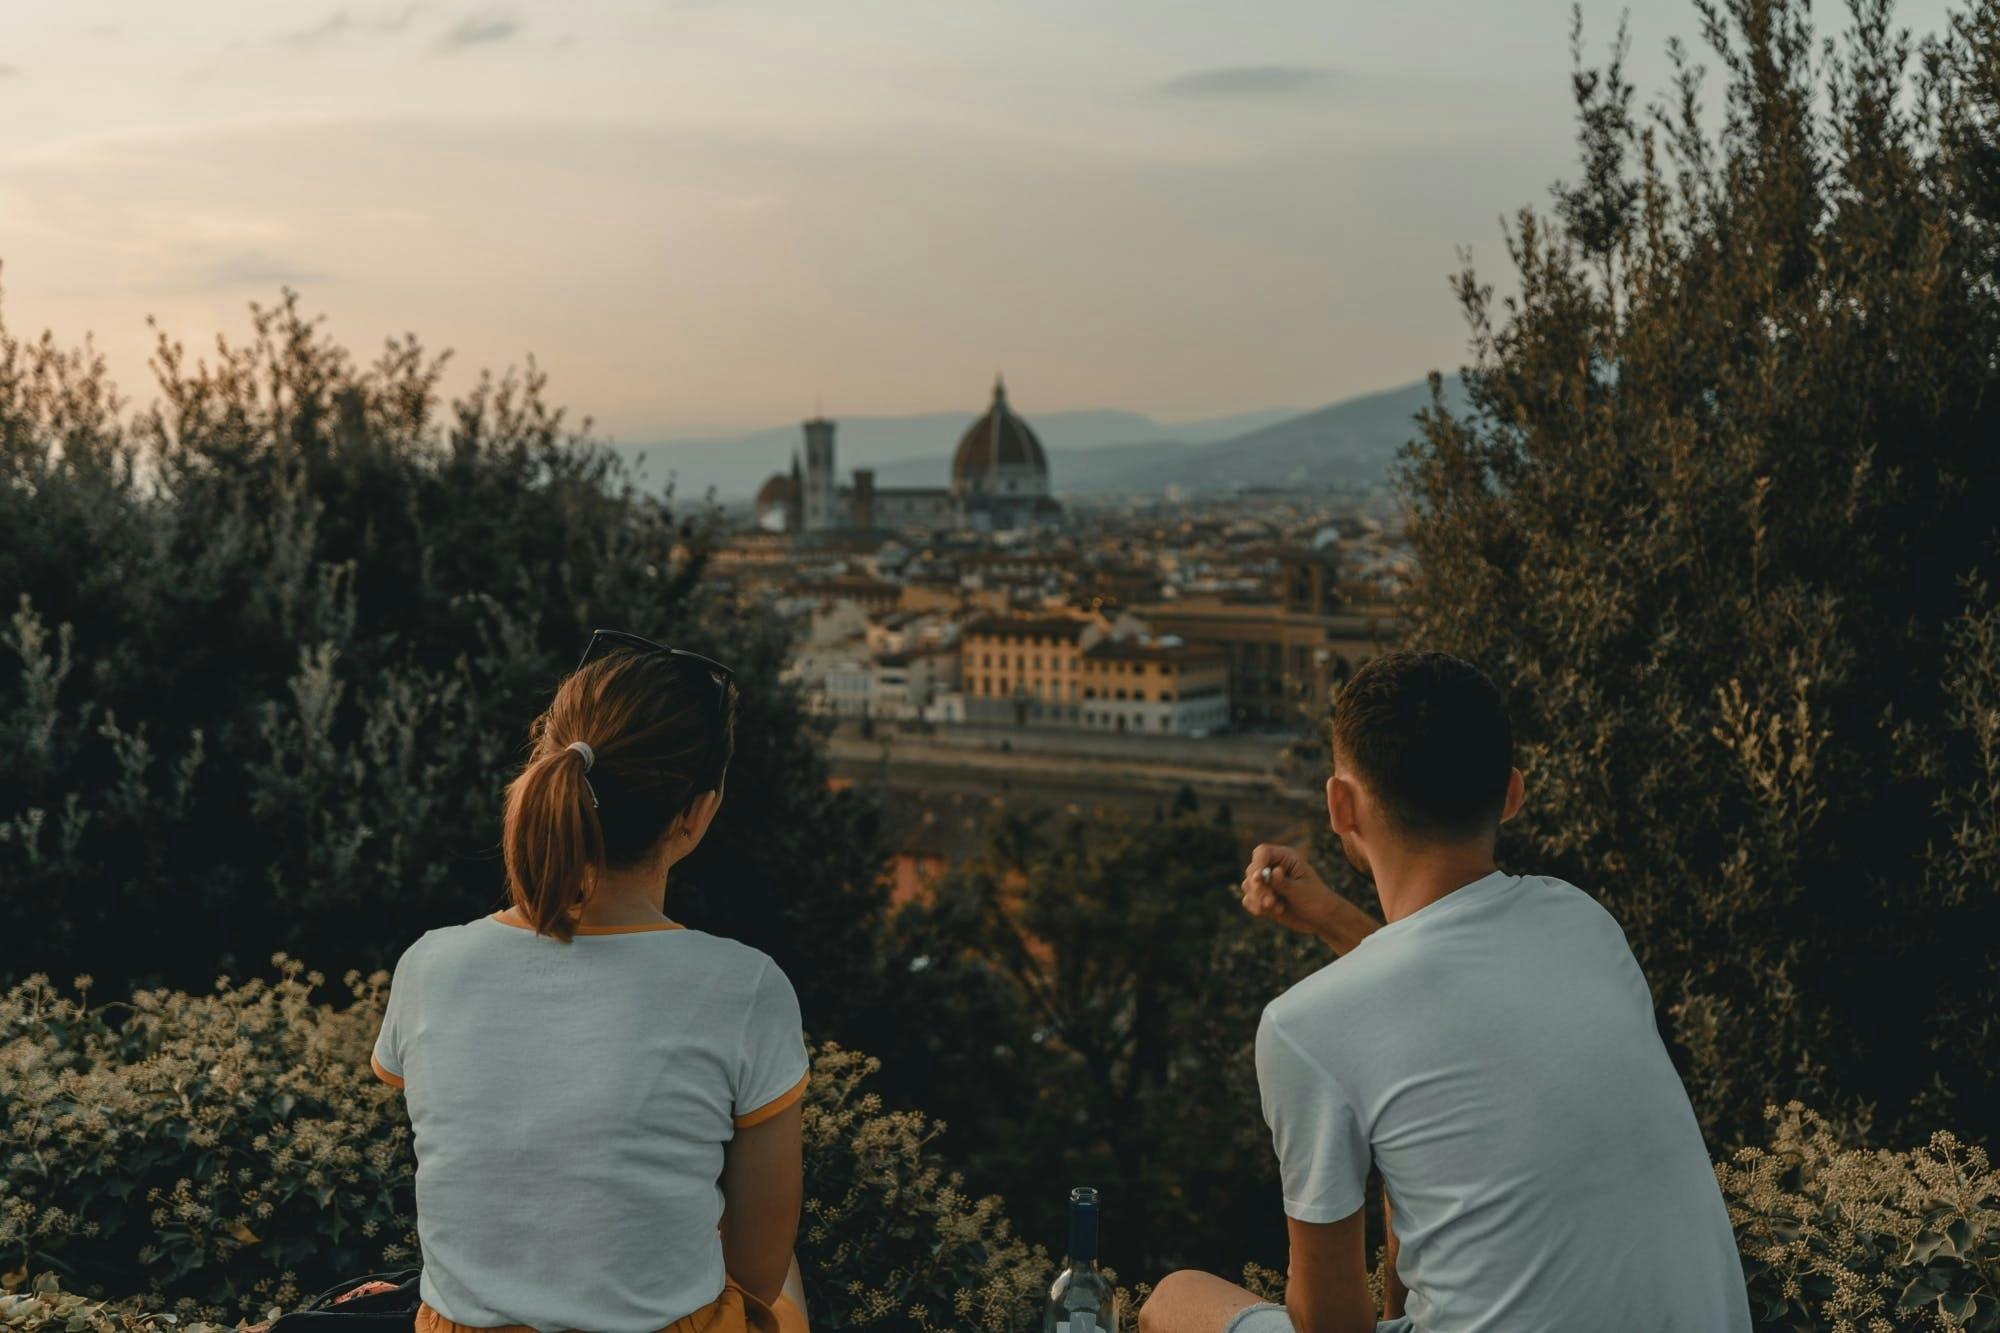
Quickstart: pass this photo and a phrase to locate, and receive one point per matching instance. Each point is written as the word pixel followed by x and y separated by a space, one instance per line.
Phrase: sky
pixel 709 215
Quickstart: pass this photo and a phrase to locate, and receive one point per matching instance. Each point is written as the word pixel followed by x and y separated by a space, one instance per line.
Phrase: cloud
pixel 1248 81
pixel 340 23
pixel 245 269
pixel 478 30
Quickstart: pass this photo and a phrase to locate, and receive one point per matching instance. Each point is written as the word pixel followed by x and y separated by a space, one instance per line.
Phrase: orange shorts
pixel 734 1311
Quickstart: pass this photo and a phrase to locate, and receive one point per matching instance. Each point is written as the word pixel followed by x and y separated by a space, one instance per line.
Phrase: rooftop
pixel 1061 627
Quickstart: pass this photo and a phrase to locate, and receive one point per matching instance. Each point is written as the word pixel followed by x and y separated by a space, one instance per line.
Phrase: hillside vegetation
pixel 215 1156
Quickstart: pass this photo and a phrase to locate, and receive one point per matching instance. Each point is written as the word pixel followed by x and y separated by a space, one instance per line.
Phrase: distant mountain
pixel 1210 429
pixel 1099 452
pixel 1353 440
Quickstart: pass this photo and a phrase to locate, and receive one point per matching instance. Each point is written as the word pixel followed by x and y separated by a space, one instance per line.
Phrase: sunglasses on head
pixel 603 641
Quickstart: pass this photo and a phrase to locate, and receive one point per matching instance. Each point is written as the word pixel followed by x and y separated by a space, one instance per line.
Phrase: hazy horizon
pixel 705 217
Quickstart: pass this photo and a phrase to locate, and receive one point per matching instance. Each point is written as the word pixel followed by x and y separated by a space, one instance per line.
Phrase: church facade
pixel 999 481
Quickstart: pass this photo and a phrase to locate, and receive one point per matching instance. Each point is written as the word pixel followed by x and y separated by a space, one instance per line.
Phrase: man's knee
pixel 1183 1301
pixel 1167 1292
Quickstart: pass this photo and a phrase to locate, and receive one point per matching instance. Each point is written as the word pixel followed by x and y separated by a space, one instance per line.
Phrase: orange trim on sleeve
pixel 775 1105
pixel 382 1072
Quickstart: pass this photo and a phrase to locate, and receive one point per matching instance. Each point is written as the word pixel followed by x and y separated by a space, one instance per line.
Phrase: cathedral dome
pixel 997 440
pixel 777 490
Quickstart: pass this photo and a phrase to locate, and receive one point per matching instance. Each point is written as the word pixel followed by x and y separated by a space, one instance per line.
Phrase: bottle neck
pixel 1082 1236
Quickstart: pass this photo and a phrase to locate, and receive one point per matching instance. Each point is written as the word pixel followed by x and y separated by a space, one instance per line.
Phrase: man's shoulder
pixel 1560 896
pixel 1354 978
pixel 1390 961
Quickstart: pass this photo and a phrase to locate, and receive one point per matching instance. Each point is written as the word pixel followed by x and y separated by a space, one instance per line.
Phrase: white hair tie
pixel 589 758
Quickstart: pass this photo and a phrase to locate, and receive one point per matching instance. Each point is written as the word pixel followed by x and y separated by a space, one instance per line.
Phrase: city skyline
pixel 702 218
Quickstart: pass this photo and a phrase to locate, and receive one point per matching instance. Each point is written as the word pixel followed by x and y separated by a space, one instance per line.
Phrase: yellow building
pixel 1162 687
pixel 1025 669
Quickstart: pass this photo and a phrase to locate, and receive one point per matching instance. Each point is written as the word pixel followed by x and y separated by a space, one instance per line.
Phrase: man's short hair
pixel 1427 733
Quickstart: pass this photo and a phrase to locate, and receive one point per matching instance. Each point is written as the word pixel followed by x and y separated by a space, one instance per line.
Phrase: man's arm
pixel 1296 897
pixel 1394 1293
pixel 1328 1287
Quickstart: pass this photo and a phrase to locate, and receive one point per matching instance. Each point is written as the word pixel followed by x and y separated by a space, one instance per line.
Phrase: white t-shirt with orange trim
pixel 570 1104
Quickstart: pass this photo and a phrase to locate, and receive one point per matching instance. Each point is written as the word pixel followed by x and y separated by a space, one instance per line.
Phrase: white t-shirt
pixel 570 1104
pixel 1496 1054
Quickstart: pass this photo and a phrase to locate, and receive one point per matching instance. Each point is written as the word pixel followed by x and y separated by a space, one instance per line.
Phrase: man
pixel 1492 1050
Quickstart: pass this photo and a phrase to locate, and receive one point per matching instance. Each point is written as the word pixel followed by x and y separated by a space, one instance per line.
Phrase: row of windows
pixel 1034 640
pixel 1021 662
pixel 1135 722
pixel 1040 691
pixel 988 688
pixel 1033 662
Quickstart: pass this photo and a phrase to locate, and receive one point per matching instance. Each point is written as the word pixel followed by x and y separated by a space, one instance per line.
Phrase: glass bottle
pixel 1082 1299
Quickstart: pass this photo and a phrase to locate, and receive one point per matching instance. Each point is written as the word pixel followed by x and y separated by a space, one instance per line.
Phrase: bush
pixel 46 1308
pixel 269 651
pixel 216 1155
pixel 1854 1238
pixel 1722 519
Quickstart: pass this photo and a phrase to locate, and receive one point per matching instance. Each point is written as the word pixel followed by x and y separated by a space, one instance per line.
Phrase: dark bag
pixel 346 1307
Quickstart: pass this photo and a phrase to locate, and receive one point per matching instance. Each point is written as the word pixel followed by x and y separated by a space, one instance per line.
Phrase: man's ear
pixel 1517 792
pixel 1340 808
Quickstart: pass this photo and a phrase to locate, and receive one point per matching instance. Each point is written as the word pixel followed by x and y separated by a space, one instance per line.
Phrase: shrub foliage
pixel 216 1155
pixel 213 1156
pixel 1836 1236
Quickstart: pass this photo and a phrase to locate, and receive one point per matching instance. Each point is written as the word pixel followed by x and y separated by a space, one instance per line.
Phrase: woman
pixel 605 1104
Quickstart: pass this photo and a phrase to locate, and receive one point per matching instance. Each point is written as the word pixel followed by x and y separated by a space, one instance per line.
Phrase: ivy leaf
pixel 1919 1293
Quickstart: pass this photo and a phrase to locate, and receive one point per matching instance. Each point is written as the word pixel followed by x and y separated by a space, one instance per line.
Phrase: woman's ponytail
pixel 552 839
pixel 652 735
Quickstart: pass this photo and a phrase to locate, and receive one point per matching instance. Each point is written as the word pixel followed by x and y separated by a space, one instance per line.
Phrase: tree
pixel 271 648
pixel 1092 989
pixel 1722 518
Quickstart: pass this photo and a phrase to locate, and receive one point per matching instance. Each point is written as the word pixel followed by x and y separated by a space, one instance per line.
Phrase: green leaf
pixel 1918 1293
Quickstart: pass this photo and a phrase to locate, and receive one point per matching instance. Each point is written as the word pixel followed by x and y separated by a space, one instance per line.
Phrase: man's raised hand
pixel 1280 886
pixel 1291 894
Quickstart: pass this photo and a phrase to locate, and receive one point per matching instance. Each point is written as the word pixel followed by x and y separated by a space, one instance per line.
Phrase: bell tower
pixel 821 497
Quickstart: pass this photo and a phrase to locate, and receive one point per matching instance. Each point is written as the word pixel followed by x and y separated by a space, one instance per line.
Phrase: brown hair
pixel 661 730
pixel 1428 733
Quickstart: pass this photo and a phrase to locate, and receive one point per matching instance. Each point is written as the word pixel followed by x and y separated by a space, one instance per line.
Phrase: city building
pixel 1162 687
pixel 1025 669
pixel 907 684
pixel 999 482
pixel 1286 657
